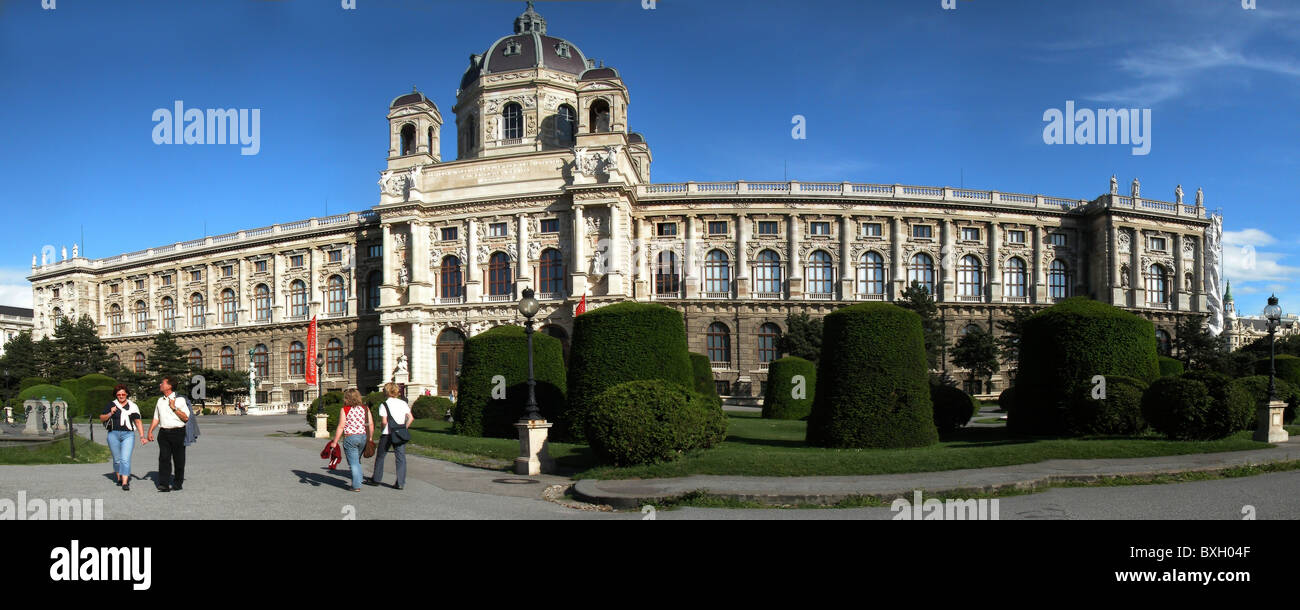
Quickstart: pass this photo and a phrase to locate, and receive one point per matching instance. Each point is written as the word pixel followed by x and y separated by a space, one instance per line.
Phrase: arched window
pixel 227 359
pixel 566 125
pixel 408 139
pixel 336 296
pixel 228 313
pixel 499 275
pixel 115 318
pixel 334 357
pixel 298 299
pixel 297 359
pixel 168 313
pixel 471 133
pixel 767 273
pixel 970 328
pixel 1058 279
pixel 262 361
pixel 453 281
pixel 970 277
pixel 374 282
pixel 1157 285
pixel 717 274
pixel 821 274
pixel 198 309
pixel 1163 342
pixel 262 303
pixel 1015 278
pixel 512 121
pixel 871 274
pixel 921 271
pixel 599 116
pixel 767 336
pixel 196 359
pixel 139 362
pixel 550 271
pixel 719 343
pixel 374 353
pixel 667 275
pixel 57 314
pixel 141 317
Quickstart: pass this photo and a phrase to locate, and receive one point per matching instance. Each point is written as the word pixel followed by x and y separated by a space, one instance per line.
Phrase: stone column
pixel 473 283
pixel 613 253
pixel 796 261
pixel 1036 266
pixel 1180 295
pixel 742 255
pixel 1198 277
pixel 578 258
pixel 388 295
pixel 642 290
pixel 151 305
pixel 315 287
pixel 995 263
pixel 846 258
pixel 690 277
pixel 523 273
pixel 898 266
pixel 390 358
pixel 948 261
pixel 421 290
pixel 1138 274
pixel 418 375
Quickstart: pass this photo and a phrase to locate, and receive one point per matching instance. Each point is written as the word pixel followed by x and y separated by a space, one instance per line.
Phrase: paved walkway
pixel 827 490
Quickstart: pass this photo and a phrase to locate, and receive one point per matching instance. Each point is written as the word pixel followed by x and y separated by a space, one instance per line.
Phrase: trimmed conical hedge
pixel 873 386
pixel 702 370
pixel 787 396
pixel 1064 347
pixel 503 351
pixel 619 343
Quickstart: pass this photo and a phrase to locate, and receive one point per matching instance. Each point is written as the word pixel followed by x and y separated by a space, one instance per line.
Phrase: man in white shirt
pixel 171 413
pixel 393 411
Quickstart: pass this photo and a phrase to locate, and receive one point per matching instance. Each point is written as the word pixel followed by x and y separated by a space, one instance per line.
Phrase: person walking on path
pixel 122 417
pixel 397 414
pixel 355 428
pixel 171 412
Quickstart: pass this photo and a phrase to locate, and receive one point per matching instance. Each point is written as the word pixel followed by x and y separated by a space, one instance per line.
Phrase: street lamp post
pixel 528 307
pixel 321 416
pixel 1270 415
pixel 320 365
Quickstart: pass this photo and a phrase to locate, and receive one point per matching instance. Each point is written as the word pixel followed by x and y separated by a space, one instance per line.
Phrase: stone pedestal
pixel 1269 427
pixel 533 457
pixel 35 417
pixel 321 430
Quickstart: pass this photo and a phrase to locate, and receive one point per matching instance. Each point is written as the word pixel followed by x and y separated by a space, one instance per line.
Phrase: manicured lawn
pixel 759 447
pixel 55 453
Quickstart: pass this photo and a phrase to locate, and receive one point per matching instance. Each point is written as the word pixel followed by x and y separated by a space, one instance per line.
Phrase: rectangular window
pixel 923 231
pixel 450 233
pixel 820 228
pixel 260 266
pixel 970 234
pixel 1158 243
pixel 1057 239
pixel 375 251
pixel 717 227
pixel 724 387
pixel 56 293
pixel 296 396
pixel 196 276
pixel 768 227
pixel 666 229
pixel 295 261
pixel 139 284
pixel 263 397
pixel 1015 237
pixel 871 229
pixel 227 271
pixel 113 289
pixel 166 280
pixel 498 229
pixel 336 256
pixel 550 225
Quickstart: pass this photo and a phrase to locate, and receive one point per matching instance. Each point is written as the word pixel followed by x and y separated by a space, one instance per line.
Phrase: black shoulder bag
pixel 397 433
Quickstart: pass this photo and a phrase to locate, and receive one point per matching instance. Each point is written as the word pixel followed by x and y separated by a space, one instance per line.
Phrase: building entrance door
pixel 451 355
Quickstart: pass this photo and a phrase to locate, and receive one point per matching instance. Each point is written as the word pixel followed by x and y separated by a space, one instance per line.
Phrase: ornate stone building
pixel 13 320
pixel 551 190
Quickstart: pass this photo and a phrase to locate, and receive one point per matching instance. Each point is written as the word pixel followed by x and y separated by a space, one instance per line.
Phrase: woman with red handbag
pixel 356 428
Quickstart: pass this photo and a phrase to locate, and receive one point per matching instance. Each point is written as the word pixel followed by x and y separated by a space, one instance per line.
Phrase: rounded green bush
pixel 51 393
pixel 1007 398
pixel 333 402
pixel 1256 387
pixel 95 380
pixel 1234 409
pixel 702 371
pixel 619 343
pixel 779 401
pixel 1181 409
pixel 503 351
pixel 649 421
pixel 873 386
pixel 432 407
pixel 1118 412
pixel 1064 346
pixel 147 406
pixel 953 408
pixel 1288 368
pixel 1170 367
pixel 97 398
pixel 28 382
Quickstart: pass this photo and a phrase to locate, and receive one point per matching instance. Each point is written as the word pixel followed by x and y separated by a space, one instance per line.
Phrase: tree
pixel 802 338
pixel 917 298
pixel 1012 329
pixel 166 359
pixel 46 356
pixel 19 360
pixel 977 352
pixel 78 349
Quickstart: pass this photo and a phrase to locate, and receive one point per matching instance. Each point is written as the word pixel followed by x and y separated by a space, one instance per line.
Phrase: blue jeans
pixel 121 443
pixel 352 446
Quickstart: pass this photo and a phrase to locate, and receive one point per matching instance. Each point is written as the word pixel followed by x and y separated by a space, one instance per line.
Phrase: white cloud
pixel 1244 237
pixel 15 290
pixel 1246 264
pixel 1168 71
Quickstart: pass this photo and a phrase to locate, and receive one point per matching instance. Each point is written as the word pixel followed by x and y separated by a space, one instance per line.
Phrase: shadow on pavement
pixel 336 478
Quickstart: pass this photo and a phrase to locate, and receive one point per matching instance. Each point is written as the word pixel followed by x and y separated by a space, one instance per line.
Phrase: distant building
pixel 1244 330
pixel 13 320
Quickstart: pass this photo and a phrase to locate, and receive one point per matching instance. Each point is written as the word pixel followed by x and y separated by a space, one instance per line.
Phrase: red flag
pixel 582 306
pixel 311 351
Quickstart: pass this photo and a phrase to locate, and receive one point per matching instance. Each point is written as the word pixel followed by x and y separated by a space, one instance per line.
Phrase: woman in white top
pixel 396 410
pixel 123 420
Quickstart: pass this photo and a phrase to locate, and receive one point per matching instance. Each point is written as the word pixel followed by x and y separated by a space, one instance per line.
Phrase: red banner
pixel 311 352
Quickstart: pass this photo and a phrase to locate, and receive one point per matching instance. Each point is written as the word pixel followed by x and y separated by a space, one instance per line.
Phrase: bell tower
pixel 414 131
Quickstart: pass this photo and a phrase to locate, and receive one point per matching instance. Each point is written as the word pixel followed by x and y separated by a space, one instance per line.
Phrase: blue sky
pixel 892 91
